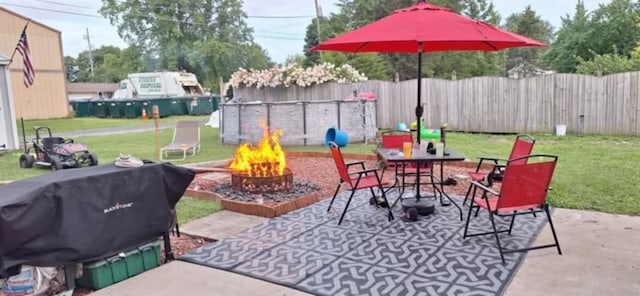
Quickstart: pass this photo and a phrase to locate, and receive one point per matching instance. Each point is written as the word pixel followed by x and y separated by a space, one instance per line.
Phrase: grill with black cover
pixel 86 214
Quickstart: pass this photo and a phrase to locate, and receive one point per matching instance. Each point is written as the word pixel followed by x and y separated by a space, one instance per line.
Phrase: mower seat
pixel 48 143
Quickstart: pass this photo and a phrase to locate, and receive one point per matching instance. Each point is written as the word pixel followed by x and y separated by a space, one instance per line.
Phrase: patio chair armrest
pixel 364 172
pixel 485 188
pixel 361 163
pixel 495 161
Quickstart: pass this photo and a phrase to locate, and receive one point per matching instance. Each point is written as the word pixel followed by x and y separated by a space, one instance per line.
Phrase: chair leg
pixel 373 199
pixel 466 196
pixel 346 206
pixel 466 225
pixel 495 233
pixel 513 218
pixel 553 230
pixel 334 196
pixel 384 197
pixel 433 185
pixel 473 195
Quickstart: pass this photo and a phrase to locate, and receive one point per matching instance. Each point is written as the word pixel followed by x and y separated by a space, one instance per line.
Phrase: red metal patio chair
pixel 523 145
pixel 524 189
pixel 395 140
pixel 355 180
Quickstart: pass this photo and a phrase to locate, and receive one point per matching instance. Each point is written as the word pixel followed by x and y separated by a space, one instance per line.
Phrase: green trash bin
pixel 115 109
pixel 201 105
pixel 131 108
pixel 164 106
pixel 101 107
pixel 215 100
pixel 82 108
pixel 179 106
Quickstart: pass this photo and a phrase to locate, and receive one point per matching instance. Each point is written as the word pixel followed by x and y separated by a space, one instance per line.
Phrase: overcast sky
pixel 281 37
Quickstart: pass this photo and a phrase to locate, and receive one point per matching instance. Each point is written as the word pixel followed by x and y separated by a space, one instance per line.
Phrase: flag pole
pixel 16 49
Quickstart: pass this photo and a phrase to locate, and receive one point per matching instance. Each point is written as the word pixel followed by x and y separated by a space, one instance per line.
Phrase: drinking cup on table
pixel 406 149
pixel 439 149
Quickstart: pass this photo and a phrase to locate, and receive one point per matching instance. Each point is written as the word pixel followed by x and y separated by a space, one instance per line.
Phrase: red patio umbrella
pixel 425 27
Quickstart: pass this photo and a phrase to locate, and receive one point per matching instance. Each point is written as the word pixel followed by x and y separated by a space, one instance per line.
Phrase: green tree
pixel 110 64
pixel 604 34
pixel 311 40
pixel 295 59
pixel 186 34
pixel 572 42
pixel 529 24
pixel 608 63
pixel 613 27
pixel 372 65
pixel 70 68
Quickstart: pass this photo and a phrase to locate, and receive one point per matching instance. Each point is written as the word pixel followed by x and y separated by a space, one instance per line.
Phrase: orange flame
pixel 263 160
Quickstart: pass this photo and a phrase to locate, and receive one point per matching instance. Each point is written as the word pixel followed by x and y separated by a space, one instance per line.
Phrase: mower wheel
pixel 93 159
pixel 26 160
pixel 56 164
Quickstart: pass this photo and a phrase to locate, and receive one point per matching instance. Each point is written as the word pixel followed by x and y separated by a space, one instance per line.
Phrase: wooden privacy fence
pixel 607 105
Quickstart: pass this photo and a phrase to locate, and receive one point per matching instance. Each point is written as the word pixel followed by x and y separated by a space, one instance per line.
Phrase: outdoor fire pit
pixel 261 168
pixel 257 184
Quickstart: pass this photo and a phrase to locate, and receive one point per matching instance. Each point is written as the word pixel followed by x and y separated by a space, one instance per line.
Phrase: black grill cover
pixel 79 215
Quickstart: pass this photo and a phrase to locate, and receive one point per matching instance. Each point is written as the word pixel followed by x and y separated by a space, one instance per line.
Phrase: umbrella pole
pixel 419 106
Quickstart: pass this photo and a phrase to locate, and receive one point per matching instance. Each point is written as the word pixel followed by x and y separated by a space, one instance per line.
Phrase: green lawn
pixel 62 125
pixel 190 208
pixel 594 172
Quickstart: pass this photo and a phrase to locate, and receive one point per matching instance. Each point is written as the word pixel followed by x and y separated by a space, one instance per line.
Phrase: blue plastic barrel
pixel 337 136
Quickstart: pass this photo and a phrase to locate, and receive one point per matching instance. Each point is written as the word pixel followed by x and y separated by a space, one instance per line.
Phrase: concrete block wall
pixel 302 122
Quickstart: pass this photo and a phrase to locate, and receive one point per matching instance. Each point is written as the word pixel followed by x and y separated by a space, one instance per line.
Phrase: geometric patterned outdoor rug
pixel 367 255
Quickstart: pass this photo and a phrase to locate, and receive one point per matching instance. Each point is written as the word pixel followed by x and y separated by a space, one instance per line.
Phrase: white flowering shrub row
pixel 294 74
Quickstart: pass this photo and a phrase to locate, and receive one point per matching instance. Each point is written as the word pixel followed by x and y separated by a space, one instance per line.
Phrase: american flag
pixel 27 67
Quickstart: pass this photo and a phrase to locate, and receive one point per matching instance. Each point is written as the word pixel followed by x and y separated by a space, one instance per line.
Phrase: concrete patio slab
pixel 181 278
pixel 221 224
pixel 600 257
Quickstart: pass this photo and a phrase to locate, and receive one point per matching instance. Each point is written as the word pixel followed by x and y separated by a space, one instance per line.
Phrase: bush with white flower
pixel 294 74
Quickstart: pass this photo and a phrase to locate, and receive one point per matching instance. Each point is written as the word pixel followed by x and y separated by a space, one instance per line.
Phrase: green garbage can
pixel 164 106
pixel 82 108
pixel 101 107
pixel 131 108
pixel 179 106
pixel 115 109
pixel 215 100
pixel 201 105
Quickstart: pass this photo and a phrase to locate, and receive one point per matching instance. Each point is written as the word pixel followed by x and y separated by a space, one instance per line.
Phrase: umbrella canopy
pixel 425 27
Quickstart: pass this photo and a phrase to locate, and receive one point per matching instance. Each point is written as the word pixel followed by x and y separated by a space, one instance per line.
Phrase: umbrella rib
pixel 362 46
pixel 489 44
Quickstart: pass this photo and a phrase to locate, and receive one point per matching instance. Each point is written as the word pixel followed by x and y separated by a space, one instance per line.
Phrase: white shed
pixel 8 128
